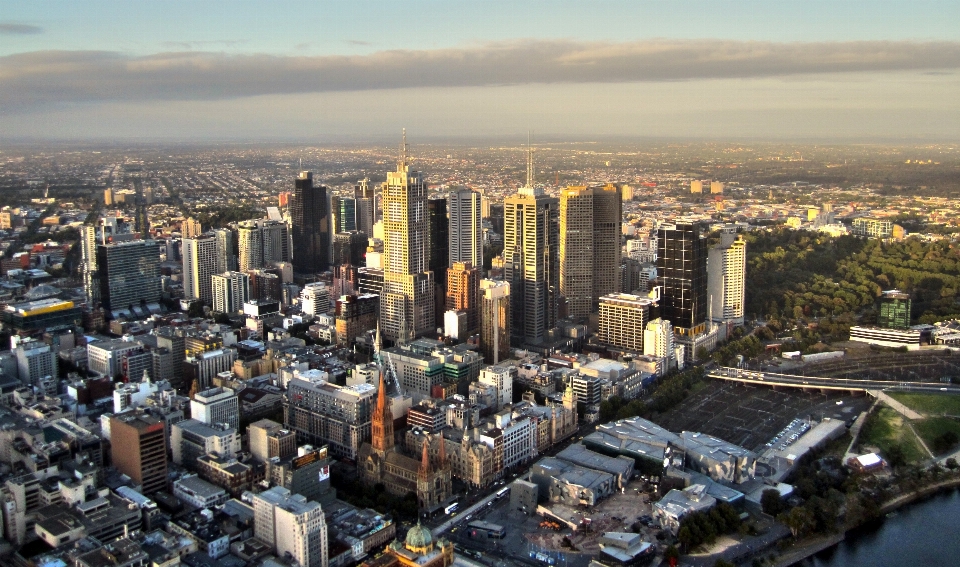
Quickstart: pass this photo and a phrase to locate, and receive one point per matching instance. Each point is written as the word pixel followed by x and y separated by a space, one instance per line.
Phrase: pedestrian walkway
pixel 895 405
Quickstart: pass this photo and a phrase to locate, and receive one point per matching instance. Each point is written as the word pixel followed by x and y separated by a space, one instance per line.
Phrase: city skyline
pixel 200 71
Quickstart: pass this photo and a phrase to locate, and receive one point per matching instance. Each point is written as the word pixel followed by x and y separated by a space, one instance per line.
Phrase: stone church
pixel 380 461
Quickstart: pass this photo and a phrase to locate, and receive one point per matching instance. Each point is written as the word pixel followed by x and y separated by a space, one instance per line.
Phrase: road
pixel 814 382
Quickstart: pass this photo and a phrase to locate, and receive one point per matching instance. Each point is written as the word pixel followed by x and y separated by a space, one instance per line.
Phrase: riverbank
pixel 811 547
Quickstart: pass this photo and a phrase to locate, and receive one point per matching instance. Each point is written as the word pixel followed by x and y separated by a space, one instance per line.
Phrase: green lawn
pixel 930 404
pixel 885 428
pixel 933 430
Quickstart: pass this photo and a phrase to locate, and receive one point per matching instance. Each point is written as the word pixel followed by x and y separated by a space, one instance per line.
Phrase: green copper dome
pixel 419 536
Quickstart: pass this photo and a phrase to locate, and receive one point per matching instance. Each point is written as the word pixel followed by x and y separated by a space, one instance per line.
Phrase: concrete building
pixel 216 405
pixel 191 439
pixel 463 294
pixel 589 246
pixel 315 299
pixel 195 491
pixel 875 228
pixel 37 366
pixel 501 378
pixel 355 316
pixel 623 319
pixel 230 291
pixel 270 439
pixel 139 449
pixel 106 357
pixel 199 266
pixel 289 523
pixel 407 305
pixel 726 279
pixel 202 367
pixel 466 229
pixel 261 243
pixel 306 472
pixel 325 413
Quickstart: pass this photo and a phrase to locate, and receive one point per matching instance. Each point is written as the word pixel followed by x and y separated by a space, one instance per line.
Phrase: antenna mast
pixel 529 162
pixel 403 152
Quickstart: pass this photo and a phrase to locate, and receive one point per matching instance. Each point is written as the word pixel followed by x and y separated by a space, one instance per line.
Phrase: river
pixel 921 533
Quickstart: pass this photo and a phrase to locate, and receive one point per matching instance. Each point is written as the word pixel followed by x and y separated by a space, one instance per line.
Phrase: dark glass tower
pixel 682 272
pixel 439 249
pixel 311 226
pixel 347 215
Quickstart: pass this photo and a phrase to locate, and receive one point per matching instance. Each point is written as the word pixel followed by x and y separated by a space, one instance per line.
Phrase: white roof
pixel 869 460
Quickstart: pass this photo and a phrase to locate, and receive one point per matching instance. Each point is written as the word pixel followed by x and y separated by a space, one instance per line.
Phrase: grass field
pixel 886 428
pixel 932 429
pixel 930 404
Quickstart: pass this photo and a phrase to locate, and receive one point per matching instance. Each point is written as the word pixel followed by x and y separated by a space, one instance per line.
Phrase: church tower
pixel 381 422
pixel 425 488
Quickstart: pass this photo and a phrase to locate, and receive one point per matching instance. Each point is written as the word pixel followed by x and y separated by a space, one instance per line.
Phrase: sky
pixel 332 71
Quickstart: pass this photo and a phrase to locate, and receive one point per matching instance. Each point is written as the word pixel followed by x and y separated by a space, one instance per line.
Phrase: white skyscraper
pixel 501 378
pixel 289 523
pixel 315 299
pixel 199 265
pixel 466 231
pixel 726 272
pixel 407 301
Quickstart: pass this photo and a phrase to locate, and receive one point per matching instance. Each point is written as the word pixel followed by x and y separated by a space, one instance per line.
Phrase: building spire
pixel 529 162
pixel 425 459
pixel 402 162
pixel 443 452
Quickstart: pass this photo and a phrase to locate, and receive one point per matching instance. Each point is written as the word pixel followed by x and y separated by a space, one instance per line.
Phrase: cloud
pixel 357 42
pixel 51 77
pixel 7 28
pixel 203 43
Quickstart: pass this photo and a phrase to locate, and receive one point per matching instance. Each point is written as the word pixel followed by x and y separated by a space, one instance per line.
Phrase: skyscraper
pixel 230 291
pixel 463 293
pixel 261 243
pixel 726 272
pixel 682 273
pixel 622 320
pixel 494 321
pixel 466 230
pixel 199 265
pixel 128 274
pixel 407 303
pixel 226 250
pixel 347 215
pixel 589 246
pixel 363 192
pixel 311 226
pixel 531 261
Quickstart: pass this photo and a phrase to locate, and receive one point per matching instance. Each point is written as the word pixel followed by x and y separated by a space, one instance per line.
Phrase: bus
pixel 451 508
pixel 479 527
pixel 502 492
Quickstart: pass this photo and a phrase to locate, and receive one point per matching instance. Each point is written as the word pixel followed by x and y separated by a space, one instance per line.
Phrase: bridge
pixel 759 378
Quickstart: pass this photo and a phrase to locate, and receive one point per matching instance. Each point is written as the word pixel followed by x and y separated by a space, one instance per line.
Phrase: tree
pixel 952 464
pixel 771 502
pixel 799 520
pixel 723 563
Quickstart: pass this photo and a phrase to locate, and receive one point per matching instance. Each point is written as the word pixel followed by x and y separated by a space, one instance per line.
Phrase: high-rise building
pixel 589 246
pixel 895 310
pixel 325 413
pixel 139 449
pixel 623 319
pixel 190 228
pixel 355 315
pixel 726 274
pixel 230 291
pixel 199 265
pixel 658 341
pixel 265 286
pixel 531 261
pixel 438 249
pixel 311 226
pixel 682 274
pixel 347 215
pixel 463 293
pixel 291 524
pixel 216 405
pixel 494 321
pixel 128 274
pixel 315 299
pixel 349 248
pixel 226 250
pixel 407 304
pixel 466 230
pixel 37 366
pixel 263 242
pixel 270 439
pixel 363 192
